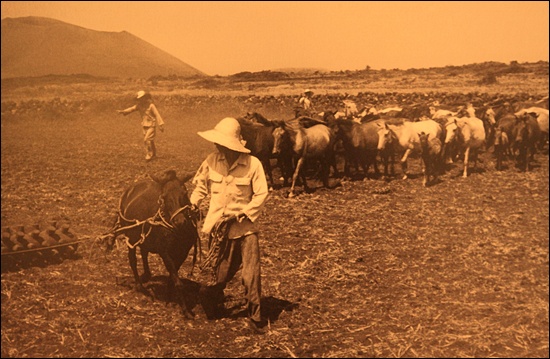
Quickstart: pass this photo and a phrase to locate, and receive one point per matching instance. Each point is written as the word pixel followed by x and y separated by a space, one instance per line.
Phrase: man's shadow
pixel 160 290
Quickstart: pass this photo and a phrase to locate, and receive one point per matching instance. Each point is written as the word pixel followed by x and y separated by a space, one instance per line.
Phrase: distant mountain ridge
pixel 38 46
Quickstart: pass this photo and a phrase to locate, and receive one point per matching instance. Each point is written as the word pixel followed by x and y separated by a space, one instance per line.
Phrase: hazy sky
pixel 224 38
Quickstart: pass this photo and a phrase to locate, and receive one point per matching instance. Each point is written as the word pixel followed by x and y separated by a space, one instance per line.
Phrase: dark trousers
pixel 242 253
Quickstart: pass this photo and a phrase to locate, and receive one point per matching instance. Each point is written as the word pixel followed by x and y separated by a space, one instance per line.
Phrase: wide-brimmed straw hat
pixel 140 94
pixel 226 133
pixel 308 91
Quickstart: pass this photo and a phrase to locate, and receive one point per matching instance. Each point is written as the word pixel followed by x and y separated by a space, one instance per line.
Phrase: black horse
pixel 155 215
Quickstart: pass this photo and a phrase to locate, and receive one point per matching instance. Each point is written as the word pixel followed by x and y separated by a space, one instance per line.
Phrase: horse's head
pixel 424 140
pixel 451 130
pixel 522 128
pixel 174 200
pixel 385 136
pixel 489 116
pixel 279 137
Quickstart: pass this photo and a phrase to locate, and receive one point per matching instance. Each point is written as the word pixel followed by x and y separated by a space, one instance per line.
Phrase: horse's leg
pixel 176 284
pixel 466 159
pixel 375 164
pixel 133 264
pixel 268 172
pixel 424 172
pixel 347 161
pixel 146 276
pixel 391 157
pixel 533 152
pixel 333 163
pixel 295 177
pixel 404 163
pixel 325 165
pixel 435 169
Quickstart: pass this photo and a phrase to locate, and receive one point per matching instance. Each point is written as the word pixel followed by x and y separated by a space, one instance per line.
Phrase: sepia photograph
pixel 275 179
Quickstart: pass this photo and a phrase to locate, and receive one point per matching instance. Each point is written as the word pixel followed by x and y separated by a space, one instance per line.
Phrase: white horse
pixel 406 133
pixel 470 135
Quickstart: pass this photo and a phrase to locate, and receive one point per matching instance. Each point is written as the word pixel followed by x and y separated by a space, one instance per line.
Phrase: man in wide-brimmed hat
pixel 236 183
pixel 150 118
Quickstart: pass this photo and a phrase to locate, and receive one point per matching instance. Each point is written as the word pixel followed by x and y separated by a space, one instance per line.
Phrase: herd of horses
pixel 366 140
pixel 155 213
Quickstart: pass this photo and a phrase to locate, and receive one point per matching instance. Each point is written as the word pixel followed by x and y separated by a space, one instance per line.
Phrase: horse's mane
pixel 261 119
pixel 306 121
pixel 245 122
pixel 166 176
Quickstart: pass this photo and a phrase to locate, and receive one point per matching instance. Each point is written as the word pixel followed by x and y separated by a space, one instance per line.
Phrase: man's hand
pixel 241 216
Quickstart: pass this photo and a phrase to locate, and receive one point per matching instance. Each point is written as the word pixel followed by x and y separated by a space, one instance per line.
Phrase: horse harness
pixel 157 220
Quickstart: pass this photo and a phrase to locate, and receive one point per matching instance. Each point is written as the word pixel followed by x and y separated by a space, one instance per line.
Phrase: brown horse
pixel 155 215
pixel 526 137
pixel 360 142
pixel 308 144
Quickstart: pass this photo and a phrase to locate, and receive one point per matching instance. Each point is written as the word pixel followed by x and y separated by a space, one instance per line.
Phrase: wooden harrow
pixel 24 246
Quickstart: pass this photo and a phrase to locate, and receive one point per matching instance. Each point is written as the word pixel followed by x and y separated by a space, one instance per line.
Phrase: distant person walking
pixel 150 118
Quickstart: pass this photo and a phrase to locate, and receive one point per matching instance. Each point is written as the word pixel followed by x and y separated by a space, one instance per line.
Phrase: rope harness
pixel 157 220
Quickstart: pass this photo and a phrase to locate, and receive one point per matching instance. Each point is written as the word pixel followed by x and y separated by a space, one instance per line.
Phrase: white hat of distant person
pixel 140 94
pixel 226 133
pixel 308 91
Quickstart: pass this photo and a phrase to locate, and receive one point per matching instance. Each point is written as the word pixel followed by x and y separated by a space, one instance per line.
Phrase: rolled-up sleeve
pixel 129 110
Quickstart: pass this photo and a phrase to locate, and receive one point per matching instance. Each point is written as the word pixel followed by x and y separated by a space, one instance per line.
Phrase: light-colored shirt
pixel 150 116
pixel 306 103
pixel 241 188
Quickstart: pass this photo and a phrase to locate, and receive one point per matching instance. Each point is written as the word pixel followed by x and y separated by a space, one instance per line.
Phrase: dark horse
pixel 527 136
pixel 257 131
pixel 155 215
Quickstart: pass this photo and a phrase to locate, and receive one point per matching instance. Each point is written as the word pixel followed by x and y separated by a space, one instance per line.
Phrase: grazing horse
pixel 155 215
pixel 406 133
pixel 430 149
pixel 313 143
pixel 257 131
pixel 527 136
